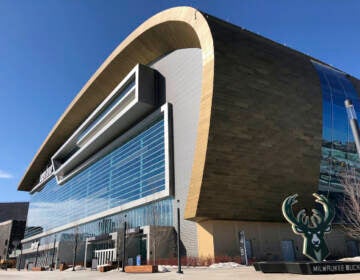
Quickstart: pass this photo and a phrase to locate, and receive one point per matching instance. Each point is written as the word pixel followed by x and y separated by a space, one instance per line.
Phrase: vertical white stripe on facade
pixel 182 70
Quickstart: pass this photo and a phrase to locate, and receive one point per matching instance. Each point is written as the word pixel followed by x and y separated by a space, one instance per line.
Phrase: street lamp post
pixel 53 255
pixel 178 239
pixel 75 248
pixel 19 266
pixel 124 245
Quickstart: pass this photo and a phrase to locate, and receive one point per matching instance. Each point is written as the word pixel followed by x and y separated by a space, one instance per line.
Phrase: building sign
pixel 100 237
pixel 46 174
pixel 134 230
pixel 312 228
pixel 324 268
pixel 328 267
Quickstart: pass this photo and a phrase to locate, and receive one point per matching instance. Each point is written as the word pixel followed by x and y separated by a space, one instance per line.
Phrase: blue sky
pixel 49 49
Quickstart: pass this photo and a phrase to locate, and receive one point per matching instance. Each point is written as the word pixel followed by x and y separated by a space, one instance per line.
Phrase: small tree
pixel 351 206
pixel 154 231
pixel 119 240
pixel 157 234
pixel 15 246
pixel 46 251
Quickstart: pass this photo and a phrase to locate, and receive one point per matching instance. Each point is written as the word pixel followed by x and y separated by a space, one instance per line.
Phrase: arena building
pixel 193 112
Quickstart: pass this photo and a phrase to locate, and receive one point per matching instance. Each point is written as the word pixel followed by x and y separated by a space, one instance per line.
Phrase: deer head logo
pixel 312 228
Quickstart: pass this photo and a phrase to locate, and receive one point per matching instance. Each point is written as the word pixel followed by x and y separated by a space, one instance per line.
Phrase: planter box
pixel 141 268
pixel 63 266
pixel 106 268
pixel 38 268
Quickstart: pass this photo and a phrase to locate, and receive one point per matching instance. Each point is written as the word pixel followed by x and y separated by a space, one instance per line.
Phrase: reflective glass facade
pixel 159 213
pixel 132 171
pixel 338 151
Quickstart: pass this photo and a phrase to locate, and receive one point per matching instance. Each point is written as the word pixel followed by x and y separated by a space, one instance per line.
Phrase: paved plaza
pixel 189 273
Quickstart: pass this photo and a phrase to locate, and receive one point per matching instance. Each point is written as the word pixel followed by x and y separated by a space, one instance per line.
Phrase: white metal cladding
pixel 182 70
pixel 131 100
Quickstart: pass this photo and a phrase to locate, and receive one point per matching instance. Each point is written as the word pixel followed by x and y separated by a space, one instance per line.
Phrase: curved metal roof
pixel 176 28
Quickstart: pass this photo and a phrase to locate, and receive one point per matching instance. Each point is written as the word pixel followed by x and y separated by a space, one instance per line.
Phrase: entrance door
pixel 287 249
pixel 143 251
pixel 135 246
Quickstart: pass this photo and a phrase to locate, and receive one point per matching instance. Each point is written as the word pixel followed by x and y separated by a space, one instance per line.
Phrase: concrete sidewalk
pixel 189 273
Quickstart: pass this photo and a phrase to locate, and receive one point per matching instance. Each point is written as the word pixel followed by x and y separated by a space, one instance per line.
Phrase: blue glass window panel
pixel 129 172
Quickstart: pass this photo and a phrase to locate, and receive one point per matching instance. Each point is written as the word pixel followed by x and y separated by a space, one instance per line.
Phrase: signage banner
pixel 46 174
pixel 243 255
pixel 138 260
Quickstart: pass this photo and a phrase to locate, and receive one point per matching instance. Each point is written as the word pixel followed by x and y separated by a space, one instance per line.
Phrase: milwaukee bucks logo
pixel 311 228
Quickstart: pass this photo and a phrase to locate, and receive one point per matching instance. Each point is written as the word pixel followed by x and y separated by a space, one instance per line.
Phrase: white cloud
pixel 5 175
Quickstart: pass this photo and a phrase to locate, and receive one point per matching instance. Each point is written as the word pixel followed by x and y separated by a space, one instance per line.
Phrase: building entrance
pixel 137 246
pixel 102 248
pixel 105 256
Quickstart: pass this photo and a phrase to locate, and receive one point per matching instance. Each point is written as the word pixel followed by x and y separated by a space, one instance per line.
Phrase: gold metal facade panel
pixel 265 131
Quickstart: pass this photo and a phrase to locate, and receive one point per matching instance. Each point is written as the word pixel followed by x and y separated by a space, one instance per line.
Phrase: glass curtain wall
pixel 338 151
pixel 132 171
